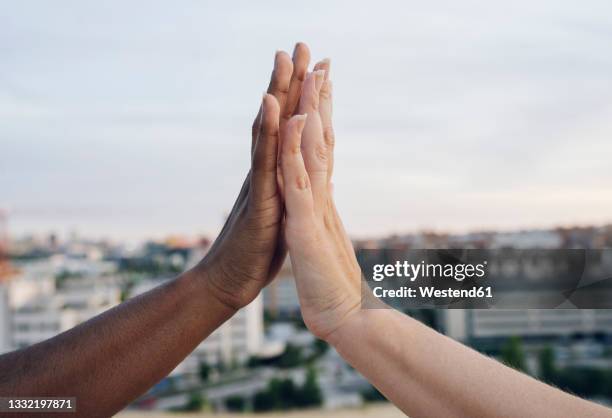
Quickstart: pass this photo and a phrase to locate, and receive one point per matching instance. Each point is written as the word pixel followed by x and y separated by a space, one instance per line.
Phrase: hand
pixel 324 264
pixel 250 250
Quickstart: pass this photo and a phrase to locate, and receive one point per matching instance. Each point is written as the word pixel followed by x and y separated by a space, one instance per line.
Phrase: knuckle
pixel 302 182
pixel 269 131
pixel 282 90
pixel 286 114
pixel 263 165
pixel 295 149
pixel 325 92
pixel 321 151
pixel 300 75
pixel 329 137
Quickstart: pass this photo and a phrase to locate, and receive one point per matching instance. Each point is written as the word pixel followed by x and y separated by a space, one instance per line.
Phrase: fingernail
pixel 301 122
pixel 319 77
pixel 327 62
pixel 277 54
pixel 295 48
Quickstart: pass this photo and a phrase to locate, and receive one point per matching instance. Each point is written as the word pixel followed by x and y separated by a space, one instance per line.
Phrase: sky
pixel 131 119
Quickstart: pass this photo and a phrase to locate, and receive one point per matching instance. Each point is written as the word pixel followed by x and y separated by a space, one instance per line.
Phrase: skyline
pixel 128 125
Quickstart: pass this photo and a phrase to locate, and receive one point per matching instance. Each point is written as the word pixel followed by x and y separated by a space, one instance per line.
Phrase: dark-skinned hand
pixel 250 249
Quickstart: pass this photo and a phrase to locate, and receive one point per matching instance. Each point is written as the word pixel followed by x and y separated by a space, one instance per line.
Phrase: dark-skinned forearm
pixel 113 358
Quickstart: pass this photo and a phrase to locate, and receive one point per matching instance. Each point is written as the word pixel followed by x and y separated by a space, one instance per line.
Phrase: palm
pixel 250 249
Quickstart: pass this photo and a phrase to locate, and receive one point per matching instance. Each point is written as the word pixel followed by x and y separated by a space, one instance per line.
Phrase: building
pixel 495 325
pixel 280 297
pixel 5 324
pixel 76 301
pixel 36 305
pixel 233 342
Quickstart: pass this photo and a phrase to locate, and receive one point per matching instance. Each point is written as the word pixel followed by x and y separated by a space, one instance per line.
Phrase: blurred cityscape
pixel 264 359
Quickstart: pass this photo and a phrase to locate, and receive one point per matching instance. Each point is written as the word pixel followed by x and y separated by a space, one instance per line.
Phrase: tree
pixel 372 395
pixel 583 381
pixel 263 401
pixel 204 371
pixel 195 403
pixel 235 404
pixel 320 347
pixel 310 393
pixel 513 355
pixel 548 369
pixel 291 357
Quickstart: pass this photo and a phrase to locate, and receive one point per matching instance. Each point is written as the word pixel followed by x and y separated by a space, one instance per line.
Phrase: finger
pixel 281 77
pixel 325 110
pixel 313 145
pixel 266 151
pixel 297 192
pixel 301 58
pixel 278 87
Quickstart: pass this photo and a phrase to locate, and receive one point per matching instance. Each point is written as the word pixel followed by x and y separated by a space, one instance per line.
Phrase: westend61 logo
pixel 413 271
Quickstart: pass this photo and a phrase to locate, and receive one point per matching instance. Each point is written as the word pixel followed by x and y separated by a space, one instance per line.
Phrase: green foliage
pixel 283 394
pixel 263 401
pixel 253 362
pixel 513 355
pixel 585 381
pixel 548 369
pixel 310 394
pixel 269 318
pixel 372 395
pixel 204 371
pixel 291 357
pixel 196 402
pixel 63 276
pixel 235 404
pixel 320 347
pixel 299 323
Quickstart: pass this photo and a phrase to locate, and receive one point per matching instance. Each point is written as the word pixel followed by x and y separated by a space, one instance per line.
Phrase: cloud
pixel 448 115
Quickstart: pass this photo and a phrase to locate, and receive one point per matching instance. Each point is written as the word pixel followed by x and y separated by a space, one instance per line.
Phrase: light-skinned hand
pixel 324 264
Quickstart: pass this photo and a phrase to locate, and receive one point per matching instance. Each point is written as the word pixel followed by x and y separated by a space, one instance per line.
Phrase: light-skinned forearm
pixel 427 374
pixel 111 359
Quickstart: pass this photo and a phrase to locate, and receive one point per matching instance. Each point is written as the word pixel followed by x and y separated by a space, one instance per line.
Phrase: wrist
pixel 369 326
pixel 199 281
pixel 343 330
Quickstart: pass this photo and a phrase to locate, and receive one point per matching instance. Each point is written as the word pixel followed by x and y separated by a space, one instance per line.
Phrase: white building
pixel 233 342
pixel 39 310
pixel 41 307
pixel 75 302
pixel 5 324
pixel 280 296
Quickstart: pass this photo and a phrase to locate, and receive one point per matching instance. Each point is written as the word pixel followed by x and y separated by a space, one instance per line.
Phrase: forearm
pixel 427 374
pixel 111 359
